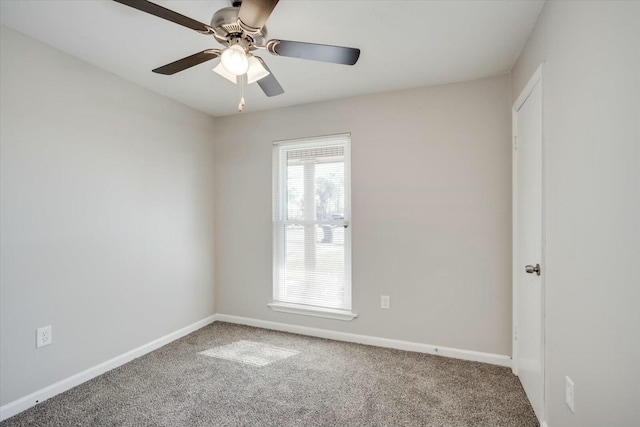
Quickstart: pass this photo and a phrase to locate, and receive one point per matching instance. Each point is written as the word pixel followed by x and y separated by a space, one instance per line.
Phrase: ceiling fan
pixel 241 30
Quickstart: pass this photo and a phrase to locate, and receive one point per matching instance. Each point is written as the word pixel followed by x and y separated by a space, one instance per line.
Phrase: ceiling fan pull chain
pixel 241 103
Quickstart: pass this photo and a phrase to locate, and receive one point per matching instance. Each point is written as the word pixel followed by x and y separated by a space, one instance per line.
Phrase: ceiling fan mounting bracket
pixel 248 29
pixel 271 47
pixel 208 31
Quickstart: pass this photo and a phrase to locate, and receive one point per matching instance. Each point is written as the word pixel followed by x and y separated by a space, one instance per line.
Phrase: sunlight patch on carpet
pixel 249 352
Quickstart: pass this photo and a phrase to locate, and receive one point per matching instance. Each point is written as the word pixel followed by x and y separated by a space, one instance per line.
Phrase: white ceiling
pixel 403 44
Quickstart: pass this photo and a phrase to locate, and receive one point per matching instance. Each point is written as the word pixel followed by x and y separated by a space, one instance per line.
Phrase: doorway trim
pixel 536 78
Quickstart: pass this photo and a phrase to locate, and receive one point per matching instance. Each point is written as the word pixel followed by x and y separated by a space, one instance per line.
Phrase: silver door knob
pixel 531 269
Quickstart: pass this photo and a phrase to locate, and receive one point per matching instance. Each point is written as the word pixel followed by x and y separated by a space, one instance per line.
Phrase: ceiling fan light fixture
pixel 219 69
pixel 256 70
pixel 234 60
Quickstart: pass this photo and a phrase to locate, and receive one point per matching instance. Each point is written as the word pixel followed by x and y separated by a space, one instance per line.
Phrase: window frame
pixel 279 217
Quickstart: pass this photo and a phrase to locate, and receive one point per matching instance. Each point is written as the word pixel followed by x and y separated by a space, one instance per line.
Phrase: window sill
pixel 328 313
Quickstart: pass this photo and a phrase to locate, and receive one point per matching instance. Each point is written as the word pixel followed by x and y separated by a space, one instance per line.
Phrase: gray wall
pixel 107 215
pixel 431 186
pixel 592 132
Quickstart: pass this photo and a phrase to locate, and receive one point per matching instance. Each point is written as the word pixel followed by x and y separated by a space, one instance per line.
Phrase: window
pixel 311 230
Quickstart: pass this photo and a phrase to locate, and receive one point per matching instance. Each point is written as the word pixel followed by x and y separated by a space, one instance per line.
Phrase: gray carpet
pixel 328 383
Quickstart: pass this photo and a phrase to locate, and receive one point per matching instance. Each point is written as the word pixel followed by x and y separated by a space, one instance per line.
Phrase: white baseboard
pixel 476 356
pixel 19 405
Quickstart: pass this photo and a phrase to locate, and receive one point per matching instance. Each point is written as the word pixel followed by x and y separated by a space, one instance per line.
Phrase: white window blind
pixel 311 213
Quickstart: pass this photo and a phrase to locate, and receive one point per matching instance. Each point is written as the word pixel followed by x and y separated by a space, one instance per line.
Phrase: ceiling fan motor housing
pixel 228 31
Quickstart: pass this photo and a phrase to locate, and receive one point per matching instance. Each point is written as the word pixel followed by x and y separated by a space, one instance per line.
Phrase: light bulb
pixel 234 60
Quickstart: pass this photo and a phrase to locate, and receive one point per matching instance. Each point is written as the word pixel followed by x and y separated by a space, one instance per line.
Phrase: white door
pixel 528 268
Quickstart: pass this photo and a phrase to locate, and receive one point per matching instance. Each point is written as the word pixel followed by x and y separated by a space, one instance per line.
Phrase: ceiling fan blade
pixel 254 13
pixel 316 52
pixel 188 62
pixel 169 15
pixel 269 84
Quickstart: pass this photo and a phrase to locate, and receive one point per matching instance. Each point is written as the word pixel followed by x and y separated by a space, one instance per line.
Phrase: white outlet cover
pixel 385 301
pixel 44 336
pixel 570 393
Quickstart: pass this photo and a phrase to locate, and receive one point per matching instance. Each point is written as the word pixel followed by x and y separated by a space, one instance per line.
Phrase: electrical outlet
pixel 43 336
pixel 569 393
pixel 385 302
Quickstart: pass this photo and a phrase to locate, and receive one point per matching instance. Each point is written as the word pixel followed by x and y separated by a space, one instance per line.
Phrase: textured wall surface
pixel 431 212
pixel 107 215
pixel 591 52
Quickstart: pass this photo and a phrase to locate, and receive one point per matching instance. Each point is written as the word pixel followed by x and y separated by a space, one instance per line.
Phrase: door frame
pixel 536 78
